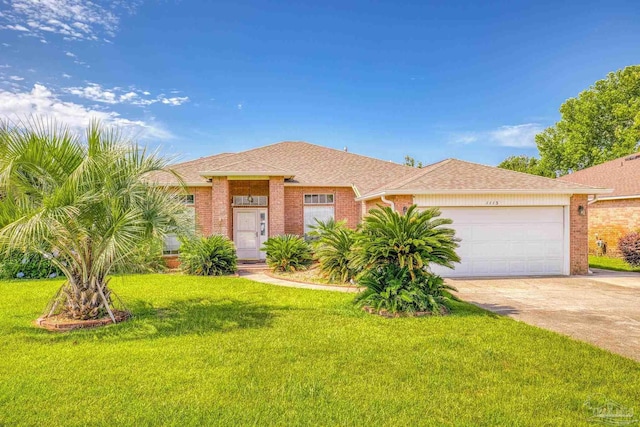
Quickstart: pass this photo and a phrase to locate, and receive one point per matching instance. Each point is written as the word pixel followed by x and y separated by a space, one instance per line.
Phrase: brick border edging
pixel 275 276
pixel 51 324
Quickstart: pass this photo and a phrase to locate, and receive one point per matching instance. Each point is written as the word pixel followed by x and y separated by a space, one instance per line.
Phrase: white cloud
pixel 94 92
pixel 519 136
pixel 70 54
pixel 66 76
pixel 5 66
pixel 73 19
pixel 16 78
pixel 41 101
pixel 465 138
pixel 117 95
pixel 239 106
pixel 174 101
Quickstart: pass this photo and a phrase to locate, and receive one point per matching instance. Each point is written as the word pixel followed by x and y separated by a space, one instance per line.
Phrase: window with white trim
pixel 318 199
pixel 186 199
pixel 312 214
pixel 171 243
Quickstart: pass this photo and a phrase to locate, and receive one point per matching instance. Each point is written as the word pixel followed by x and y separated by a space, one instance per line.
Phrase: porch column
pixel 276 205
pixel 220 207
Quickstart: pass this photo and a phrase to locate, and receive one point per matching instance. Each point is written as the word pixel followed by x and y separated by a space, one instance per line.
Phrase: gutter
pixel 568 191
pixel 389 202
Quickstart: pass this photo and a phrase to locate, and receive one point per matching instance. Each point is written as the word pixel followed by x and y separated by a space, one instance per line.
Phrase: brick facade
pixel 276 206
pixel 611 220
pixel 202 206
pixel 221 207
pixel 346 208
pixel 578 235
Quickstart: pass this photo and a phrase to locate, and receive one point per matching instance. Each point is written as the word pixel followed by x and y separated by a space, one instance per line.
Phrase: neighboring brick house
pixel 510 223
pixel 615 214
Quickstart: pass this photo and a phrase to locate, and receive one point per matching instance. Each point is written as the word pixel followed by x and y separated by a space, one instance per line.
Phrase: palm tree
pixel 87 205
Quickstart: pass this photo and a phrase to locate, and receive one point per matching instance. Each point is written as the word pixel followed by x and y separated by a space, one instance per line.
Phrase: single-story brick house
pixel 510 223
pixel 612 215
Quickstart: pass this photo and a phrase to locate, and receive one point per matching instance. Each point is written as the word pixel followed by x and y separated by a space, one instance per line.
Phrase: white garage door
pixel 508 241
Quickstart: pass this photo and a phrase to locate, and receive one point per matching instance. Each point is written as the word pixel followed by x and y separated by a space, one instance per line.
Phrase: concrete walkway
pixel 259 276
pixel 602 309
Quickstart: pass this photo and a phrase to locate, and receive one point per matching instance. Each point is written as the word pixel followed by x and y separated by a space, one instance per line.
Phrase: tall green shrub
pixel 208 256
pixel 288 253
pixel 332 246
pixel 20 265
pixel 414 239
pixel 394 251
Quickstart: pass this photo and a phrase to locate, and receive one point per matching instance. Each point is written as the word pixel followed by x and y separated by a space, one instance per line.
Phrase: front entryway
pixel 249 232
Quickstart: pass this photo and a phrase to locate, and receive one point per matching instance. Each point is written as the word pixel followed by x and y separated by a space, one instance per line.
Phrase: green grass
pixel 227 351
pixel 607 263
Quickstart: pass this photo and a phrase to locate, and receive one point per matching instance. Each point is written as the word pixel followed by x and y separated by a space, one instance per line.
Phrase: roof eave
pixel 287 175
pixel 485 191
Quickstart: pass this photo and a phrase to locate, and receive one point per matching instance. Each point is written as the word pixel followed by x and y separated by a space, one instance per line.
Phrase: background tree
pixel 601 124
pixel 410 161
pixel 85 205
pixel 525 164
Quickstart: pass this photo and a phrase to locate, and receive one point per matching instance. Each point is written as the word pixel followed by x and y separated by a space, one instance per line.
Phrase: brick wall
pixel 220 207
pixel 610 220
pixel 276 206
pixel 578 235
pixel 346 208
pixel 203 209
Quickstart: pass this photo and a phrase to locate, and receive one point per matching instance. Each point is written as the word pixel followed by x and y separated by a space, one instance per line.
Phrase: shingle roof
pixel 456 176
pixel 623 175
pixel 310 164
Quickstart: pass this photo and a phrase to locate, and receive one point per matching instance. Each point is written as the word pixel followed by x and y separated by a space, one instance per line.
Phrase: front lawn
pixel 227 351
pixel 610 263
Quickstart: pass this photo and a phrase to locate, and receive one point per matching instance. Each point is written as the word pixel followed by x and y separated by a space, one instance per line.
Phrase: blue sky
pixel 385 79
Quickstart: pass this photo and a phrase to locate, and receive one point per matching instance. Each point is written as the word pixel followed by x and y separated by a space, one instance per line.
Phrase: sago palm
pixel 84 203
pixel 413 240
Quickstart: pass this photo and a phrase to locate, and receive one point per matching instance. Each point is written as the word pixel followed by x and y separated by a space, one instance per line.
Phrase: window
pixel 187 199
pixel 312 214
pixel 318 199
pixel 249 201
pixel 171 244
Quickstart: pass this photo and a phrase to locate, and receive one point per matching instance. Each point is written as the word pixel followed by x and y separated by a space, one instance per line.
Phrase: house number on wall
pixel 492 202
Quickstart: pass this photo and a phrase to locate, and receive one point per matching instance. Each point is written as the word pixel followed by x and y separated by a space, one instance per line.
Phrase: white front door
pixel 508 241
pixel 249 232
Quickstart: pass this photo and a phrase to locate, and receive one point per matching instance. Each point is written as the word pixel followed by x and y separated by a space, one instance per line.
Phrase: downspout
pixel 389 202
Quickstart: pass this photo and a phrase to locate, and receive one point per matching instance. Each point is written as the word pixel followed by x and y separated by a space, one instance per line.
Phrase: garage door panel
pixel 504 241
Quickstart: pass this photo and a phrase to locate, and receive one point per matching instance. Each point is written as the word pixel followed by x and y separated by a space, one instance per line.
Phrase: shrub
pixel 392 289
pixel 629 246
pixel 147 258
pixel 288 253
pixel 208 256
pixel 19 265
pixel 414 240
pixel 333 245
pixel 394 252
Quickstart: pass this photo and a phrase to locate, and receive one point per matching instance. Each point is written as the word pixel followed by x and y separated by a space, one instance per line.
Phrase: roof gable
pixel 457 176
pixel 622 174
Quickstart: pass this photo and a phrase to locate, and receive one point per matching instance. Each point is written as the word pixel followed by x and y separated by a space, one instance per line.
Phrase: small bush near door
pixel 629 246
pixel 208 256
pixel 288 253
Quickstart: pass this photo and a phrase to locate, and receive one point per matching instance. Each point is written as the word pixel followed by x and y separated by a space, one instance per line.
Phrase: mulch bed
pixel 62 323
pixel 384 313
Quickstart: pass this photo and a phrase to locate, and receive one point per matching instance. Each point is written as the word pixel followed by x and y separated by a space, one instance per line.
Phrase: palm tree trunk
pixel 87 299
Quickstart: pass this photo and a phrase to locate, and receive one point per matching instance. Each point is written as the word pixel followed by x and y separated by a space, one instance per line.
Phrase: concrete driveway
pixel 602 309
